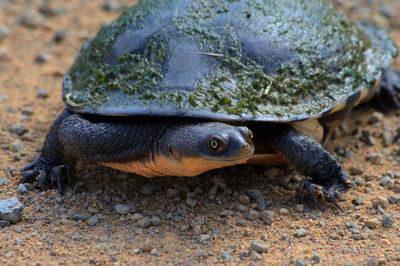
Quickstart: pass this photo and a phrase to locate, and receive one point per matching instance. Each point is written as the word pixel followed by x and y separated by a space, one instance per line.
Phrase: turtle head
pixel 194 149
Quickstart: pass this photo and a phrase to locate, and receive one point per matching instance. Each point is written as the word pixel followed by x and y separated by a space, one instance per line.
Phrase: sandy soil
pixel 208 219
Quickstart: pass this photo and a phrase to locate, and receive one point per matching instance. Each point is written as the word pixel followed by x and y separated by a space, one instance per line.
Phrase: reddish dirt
pixel 217 229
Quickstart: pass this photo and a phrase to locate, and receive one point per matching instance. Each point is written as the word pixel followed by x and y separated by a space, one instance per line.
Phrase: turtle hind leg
pixel 390 86
pixel 310 158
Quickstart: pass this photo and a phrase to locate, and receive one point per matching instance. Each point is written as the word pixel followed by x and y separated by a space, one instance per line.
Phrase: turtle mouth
pixel 244 154
pixel 231 160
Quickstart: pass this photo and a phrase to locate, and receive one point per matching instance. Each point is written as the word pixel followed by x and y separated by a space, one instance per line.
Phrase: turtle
pixel 180 87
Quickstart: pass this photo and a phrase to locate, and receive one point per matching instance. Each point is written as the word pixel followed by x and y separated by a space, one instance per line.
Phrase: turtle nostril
pixel 247 134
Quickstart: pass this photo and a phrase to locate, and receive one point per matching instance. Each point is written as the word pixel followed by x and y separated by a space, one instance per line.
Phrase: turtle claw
pixel 337 205
pixel 311 190
pixel 330 192
pixel 44 173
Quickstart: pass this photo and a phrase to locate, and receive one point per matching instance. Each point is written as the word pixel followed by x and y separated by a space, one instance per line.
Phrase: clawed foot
pixel 331 192
pixel 390 86
pixel 44 173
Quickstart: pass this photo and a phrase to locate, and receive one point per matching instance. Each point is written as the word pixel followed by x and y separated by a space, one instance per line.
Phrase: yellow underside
pixel 162 166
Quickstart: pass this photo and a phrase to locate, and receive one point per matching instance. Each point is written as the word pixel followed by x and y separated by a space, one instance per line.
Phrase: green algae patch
pixel 269 60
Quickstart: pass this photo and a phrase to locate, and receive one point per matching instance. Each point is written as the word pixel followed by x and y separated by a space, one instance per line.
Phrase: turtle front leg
pixel 47 166
pixel 310 158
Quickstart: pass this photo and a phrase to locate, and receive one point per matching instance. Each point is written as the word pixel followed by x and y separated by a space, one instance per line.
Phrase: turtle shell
pixel 275 61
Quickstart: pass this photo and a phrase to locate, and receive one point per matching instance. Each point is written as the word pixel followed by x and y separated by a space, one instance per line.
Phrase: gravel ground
pixel 243 214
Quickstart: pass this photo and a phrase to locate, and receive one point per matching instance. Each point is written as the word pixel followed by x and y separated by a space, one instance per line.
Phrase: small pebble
pixel 385 181
pixel 155 220
pixel 380 209
pixel 4 223
pixel 225 213
pixel 300 263
pixel 244 199
pixel 299 208
pixel 226 255
pixel 315 259
pixel 78 217
pixel 17 146
pixel 359 182
pixel 359 200
pixel 375 117
pixel 154 251
pixel 372 223
pixel 375 158
pixel 387 220
pixel 93 220
pixel 205 238
pixel 391 199
pixel 144 222
pixel 11 210
pixel 301 232
pixel 342 197
pixel 147 190
pixel 259 247
pixel 372 262
pixel 267 217
pixel 27 111
pixel 256 195
pixel 241 222
pixel 17 241
pixel 42 58
pixel 251 215
pixel 172 193
pixel 242 208
pixel 48 11
pixel 42 94
pixel 284 212
pixel 202 254
pixel 191 202
pixel 2 181
pixel 19 129
pixel 137 216
pixel 370 141
pixel 383 202
pixel 22 189
pixel 387 138
pixel 190 195
pixel 4 54
pixel 254 256
pixel 29 19
pixel 59 36
pixel 124 208
pixel 111 5
pixel 355 170
pixel 3 31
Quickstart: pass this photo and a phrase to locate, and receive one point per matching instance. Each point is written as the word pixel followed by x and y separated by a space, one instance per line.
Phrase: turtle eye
pixel 215 144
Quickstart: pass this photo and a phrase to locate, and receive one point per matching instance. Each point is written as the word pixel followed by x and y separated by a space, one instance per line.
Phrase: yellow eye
pixel 215 144
pixel 250 134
